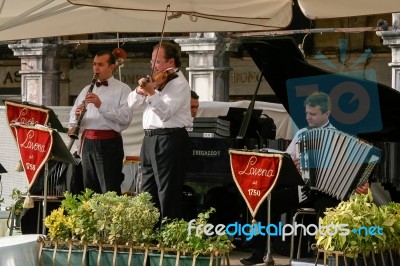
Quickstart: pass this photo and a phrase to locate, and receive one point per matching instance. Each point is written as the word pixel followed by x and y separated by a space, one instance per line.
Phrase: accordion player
pixel 334 162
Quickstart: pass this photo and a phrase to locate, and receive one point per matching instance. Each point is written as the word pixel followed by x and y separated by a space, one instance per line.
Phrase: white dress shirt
pixel 169 108
pixel 114 112
pixel 291 149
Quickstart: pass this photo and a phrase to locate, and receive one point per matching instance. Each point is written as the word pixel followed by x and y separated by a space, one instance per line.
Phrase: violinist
pixel 166 114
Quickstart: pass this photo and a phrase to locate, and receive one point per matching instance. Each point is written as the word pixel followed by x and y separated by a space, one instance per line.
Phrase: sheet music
pixel 272 150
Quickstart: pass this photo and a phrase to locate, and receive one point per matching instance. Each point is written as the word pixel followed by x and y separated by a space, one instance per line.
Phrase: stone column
pixel 40 71
pixel 208 65
pixel 391 38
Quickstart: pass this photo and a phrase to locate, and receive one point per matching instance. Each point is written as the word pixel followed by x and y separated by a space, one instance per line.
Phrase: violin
pixel 160 79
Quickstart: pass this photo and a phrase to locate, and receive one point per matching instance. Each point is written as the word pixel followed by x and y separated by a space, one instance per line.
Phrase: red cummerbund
pixel 100 134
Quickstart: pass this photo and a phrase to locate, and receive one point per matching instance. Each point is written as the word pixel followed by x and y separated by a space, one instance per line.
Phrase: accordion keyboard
pixel 334 162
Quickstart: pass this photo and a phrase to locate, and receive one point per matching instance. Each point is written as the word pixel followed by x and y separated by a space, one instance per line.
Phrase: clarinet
pixel 74 133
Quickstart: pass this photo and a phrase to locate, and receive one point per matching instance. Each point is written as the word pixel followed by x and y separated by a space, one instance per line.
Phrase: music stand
pixel 289 176
pixel 49 146
pixel 52 120
pixel 59 152
pixel 2 169
pixel 236 116
pixel 246 180
pixel 26 114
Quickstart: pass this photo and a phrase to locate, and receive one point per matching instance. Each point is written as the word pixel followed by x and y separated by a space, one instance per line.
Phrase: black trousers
pixel 163 161
pixel 102 162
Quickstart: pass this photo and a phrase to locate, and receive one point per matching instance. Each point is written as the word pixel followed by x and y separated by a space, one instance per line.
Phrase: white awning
pixel 318 9
pixel 22 19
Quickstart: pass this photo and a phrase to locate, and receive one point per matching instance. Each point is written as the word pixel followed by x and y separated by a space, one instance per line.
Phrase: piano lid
pixel 281 61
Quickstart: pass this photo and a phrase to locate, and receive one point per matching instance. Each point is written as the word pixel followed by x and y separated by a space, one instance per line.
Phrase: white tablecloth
pixel 19 250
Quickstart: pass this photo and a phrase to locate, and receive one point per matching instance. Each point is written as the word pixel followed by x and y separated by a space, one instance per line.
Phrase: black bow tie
pixel 99 83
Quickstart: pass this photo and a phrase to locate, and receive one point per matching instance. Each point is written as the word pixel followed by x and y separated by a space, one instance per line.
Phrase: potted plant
pixel 180 244
pixel 16 195
pixel 119 230
pixel 17 206
pixel 371 229
pixel 104 223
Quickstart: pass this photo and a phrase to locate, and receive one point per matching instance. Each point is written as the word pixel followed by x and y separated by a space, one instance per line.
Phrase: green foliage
pixel 390 222
pixel 120 219
pixel 360 211
pixel 15 195
pixel 112 219
pixel 175 235
pixel 104 218
pixel 77 208
pixel 60 226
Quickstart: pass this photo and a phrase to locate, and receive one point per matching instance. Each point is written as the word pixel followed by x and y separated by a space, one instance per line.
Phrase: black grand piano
pixel 280 60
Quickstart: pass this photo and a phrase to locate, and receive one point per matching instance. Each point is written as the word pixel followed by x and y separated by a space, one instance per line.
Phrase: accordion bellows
pixel 334 162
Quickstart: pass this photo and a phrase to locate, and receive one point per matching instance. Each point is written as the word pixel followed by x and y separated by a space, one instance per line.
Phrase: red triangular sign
pixel 34 145
pixel 23 114
pixel 255 175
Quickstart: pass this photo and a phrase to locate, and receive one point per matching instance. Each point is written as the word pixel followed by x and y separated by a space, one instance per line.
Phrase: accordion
pixel 334 162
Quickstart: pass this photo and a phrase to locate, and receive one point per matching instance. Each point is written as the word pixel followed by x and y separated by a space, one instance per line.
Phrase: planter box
pixel 90 259
pixel 91 256
pixel 342 262
pixel 376 259
pixel 170 260
pixel 78 257
pixel 107 258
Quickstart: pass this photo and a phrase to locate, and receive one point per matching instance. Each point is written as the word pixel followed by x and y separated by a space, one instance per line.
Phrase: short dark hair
pixel 194 95
pixel 111 57
pixel 171 51
pixel 321 99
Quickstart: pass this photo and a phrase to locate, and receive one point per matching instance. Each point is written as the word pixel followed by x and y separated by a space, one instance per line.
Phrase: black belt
pixel 159 131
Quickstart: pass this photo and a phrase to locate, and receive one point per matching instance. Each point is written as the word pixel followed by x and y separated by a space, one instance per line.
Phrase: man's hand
pixel 71 131
pixel 93 98
pixel 139 90
pixel 363 189
pixel 146 87
pixel 78 111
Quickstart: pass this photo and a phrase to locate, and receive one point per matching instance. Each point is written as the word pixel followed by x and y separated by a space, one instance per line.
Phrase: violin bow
pixel 161 39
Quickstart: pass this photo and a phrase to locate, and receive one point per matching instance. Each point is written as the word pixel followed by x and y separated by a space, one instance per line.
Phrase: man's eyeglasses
pixel 158 62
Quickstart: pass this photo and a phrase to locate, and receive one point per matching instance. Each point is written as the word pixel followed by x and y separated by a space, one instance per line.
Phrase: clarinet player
pixel 101 114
